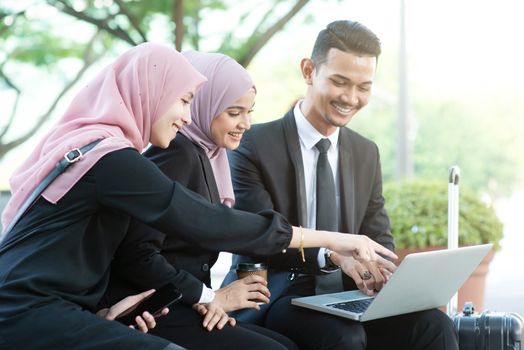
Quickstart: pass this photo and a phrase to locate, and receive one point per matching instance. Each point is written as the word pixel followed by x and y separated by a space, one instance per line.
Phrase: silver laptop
pixel 422 281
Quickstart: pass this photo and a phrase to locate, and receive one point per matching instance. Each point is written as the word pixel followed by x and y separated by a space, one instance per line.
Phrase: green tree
pixel 418 211
pixel 480 141
pixel 484 139
pixel 45 41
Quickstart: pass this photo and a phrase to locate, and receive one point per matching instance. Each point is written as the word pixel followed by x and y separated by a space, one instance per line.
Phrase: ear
pixel 307 67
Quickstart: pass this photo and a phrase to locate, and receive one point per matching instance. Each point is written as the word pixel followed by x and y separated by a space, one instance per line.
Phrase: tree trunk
pixel 178 18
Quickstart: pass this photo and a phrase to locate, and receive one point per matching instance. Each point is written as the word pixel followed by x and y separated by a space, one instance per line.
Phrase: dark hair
pixel 347 36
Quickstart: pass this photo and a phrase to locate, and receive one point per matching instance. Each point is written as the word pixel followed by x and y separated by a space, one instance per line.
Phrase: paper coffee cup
pixel 246 269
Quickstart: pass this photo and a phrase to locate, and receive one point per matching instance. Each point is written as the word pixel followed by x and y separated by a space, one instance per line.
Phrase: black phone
pixel 163 297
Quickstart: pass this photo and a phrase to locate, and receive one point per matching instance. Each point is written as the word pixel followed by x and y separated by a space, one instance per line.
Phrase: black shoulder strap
pixel 70 157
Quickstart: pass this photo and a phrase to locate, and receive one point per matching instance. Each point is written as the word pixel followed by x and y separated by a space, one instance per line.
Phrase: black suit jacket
pixel 147 258
pixel 188 164
pixel 268 173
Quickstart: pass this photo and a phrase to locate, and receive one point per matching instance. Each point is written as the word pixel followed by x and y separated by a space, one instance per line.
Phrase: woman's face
pixel 164 129
pixel 229 126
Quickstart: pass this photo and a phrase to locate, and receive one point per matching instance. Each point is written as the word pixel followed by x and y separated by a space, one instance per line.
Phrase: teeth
pixel 342 109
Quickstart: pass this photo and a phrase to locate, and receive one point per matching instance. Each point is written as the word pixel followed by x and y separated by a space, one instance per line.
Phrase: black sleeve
pixel 376 221
pixel 138 263
pixel 127 181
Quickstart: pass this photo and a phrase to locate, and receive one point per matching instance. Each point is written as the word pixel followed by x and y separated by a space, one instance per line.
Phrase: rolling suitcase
pixel 488 330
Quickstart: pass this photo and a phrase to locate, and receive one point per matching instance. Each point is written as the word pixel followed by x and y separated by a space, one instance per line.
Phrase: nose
pixel 350 96
pixel 245 122
pixel 186 118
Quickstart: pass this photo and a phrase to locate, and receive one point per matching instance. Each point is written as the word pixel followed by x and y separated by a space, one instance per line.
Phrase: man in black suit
pixel 334 185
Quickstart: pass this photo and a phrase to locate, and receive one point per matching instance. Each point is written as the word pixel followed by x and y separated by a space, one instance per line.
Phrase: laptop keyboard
pixel 357 306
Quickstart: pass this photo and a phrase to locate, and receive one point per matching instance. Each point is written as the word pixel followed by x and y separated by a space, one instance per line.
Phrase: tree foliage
pixel 418 213
pixel 480 135
pixel 45 41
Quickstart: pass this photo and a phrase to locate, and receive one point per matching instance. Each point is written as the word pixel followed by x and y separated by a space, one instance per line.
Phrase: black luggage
pixel 488 330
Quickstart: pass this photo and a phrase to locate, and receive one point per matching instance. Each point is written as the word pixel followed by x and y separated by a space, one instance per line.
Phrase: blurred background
pixel 449 87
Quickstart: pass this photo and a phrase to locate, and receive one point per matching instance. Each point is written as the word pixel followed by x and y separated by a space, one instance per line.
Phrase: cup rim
pixel 248 267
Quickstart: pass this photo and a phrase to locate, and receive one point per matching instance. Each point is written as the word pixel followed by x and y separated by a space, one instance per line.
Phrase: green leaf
pixel 418 211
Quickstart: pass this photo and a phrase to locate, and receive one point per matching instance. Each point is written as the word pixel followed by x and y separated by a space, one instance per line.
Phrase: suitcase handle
pixel 469 309
pixel 453 218
pixel 454 175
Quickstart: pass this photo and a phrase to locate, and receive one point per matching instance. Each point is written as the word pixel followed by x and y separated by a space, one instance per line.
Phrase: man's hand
pixel 214 316
pixel 243 293
pixel 144 322
pixel 369 276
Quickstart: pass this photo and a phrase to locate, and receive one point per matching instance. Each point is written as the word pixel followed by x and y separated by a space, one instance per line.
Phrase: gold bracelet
pixel 301 246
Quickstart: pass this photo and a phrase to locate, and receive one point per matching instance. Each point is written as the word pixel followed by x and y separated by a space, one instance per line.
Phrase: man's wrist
pixel 330 265
pixel 335 258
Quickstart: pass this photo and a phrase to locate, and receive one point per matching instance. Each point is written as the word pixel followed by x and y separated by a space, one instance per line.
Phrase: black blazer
pixel 140 261
pixel 147 258
pixel 188 164
pixel 267 172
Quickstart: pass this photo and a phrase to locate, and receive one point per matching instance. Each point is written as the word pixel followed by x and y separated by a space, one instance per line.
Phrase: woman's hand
pixel 144 322
pixel 243 293
pixel 360 247
pixel 214 316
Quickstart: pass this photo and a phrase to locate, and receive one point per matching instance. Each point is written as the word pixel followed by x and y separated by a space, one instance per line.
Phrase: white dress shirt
pixel 309 136
pixel 207 295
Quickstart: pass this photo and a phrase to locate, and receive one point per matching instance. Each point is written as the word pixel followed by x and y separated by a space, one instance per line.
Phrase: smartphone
pixel 163 297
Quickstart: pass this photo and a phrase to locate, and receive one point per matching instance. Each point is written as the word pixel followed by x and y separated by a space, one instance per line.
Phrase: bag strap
pixel 70 158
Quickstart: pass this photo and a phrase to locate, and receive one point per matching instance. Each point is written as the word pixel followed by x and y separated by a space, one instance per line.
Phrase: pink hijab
pixel 118 106
pixel 227 82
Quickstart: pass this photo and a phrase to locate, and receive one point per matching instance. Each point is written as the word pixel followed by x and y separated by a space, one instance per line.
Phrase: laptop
pixel 422 281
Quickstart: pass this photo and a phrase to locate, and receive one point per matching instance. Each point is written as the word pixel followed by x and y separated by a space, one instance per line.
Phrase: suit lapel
pixel 295 155
pixel 214 195
pixel 347 183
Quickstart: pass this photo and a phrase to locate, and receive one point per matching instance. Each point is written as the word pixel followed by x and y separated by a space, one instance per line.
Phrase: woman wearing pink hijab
pixel 55 261
pixel 53 276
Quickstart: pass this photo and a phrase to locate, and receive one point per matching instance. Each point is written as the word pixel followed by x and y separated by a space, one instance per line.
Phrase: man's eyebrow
pixel 338 76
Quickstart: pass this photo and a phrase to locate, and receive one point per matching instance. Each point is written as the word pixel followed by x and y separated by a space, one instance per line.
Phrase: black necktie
pixel 326 196
pixel 326 214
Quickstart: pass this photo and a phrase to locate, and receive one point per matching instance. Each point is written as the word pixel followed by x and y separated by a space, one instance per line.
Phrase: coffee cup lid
pixel 251 266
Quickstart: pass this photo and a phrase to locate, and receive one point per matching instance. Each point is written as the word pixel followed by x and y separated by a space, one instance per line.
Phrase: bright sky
pixel 454 47
pixel 451 44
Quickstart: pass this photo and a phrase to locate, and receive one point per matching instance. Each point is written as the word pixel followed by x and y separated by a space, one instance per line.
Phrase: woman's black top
pixel 68 255
pixel 148 258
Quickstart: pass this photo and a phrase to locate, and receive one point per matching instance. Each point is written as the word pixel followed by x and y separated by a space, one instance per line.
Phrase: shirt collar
pixel 307 133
